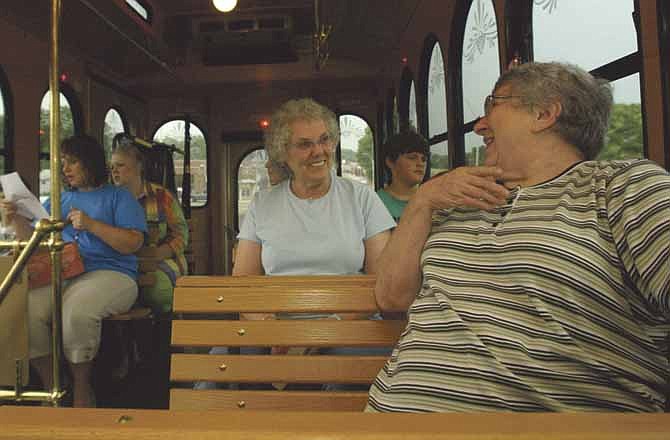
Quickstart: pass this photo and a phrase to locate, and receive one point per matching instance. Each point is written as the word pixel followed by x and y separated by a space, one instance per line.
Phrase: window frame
pixel 207 161
pixel 148 8
pixel 124 122
pixel 614 70
pixel 406 80
pixel 663 17
pixel 456 117
pixel 422 97
pixel 7 150
pixel 375 140
pixel 389 126
pixel 257 139
pixel 75 108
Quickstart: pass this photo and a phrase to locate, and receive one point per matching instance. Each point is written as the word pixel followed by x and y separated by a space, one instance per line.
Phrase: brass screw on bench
pixel 241 404
pixel 219 299
pixel 241 332
pixel 223 367
pixel 124 419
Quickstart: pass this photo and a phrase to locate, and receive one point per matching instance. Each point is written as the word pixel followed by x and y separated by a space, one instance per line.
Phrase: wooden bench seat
pixel 227 296
pixel 39 423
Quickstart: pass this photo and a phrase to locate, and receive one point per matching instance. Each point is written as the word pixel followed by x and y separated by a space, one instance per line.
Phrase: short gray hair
pixel 586 101
pixel 129 149
pixel 278 134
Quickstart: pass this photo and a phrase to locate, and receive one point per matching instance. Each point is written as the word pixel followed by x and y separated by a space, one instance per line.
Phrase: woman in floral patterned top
pixel 168 230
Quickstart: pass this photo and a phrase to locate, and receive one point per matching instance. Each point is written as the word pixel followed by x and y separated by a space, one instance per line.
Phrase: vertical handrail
pixel 55 251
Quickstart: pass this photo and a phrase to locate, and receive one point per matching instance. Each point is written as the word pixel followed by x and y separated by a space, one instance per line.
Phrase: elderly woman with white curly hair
pixel 313 222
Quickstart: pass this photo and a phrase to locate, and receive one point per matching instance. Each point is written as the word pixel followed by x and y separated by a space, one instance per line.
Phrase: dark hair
pixel 90 153
pixel 407 141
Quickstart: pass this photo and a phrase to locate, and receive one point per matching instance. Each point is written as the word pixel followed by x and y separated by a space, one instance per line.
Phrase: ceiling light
pixel 225 5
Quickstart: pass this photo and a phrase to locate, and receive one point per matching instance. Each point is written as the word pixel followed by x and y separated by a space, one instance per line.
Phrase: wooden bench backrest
pixel 227 296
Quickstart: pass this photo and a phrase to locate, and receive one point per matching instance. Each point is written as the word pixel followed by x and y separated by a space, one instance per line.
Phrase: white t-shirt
pixel 322 236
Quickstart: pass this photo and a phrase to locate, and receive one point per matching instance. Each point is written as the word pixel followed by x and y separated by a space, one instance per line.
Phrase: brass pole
pixel 54 150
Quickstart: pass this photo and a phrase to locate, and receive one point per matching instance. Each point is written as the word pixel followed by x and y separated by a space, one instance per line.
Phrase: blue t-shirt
pixel 109 204
pixel 321 236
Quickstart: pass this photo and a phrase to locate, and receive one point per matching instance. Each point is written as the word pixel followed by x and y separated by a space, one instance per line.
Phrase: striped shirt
pixel 557 301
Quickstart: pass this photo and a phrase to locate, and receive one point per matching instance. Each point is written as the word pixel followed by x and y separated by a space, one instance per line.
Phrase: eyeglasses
pixel 325 140
pixel 490 101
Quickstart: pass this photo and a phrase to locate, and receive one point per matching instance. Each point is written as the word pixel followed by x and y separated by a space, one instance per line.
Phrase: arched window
pixel 173 133
pixel 395 115
pixel 113 125
pixel 357 150
pixel 413 115
pixel 142 9
pixel 437 111
pixel 577 32
pixel 5 125
pixel 407 104
pixel 252 176
pixel 480 68
pixel 392 122
pixel 70 123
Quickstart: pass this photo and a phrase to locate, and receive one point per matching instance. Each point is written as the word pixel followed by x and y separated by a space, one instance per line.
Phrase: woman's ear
pixel 546 117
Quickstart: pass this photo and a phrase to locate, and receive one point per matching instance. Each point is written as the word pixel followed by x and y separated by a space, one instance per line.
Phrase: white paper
pixel 27 204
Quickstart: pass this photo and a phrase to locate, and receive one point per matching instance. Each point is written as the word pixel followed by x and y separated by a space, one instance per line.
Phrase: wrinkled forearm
pixel 399 271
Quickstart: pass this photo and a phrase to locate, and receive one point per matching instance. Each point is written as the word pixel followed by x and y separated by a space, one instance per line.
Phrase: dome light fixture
pixel 225 5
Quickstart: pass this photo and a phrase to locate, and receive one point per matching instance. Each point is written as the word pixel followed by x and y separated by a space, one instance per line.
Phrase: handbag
pixel 39 265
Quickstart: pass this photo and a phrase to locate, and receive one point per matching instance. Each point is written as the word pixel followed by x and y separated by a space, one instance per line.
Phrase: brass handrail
pixel 51 226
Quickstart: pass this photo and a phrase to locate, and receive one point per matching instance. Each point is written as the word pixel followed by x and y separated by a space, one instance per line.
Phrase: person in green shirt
pixel 405 158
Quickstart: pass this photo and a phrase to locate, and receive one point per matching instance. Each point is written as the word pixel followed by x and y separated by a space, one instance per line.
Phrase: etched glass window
pixel 480 69
pixel 141 9
pixel 413 117
pixel 437 111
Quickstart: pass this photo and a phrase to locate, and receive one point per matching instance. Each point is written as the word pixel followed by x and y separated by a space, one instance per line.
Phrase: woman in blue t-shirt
pixel 108 225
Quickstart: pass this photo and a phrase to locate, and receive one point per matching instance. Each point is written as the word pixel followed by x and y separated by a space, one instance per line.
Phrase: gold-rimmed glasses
pixel 490 101
pixel 325 140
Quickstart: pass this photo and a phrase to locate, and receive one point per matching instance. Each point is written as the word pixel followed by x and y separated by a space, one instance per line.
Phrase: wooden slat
pixel 41 423
pixel 303 280
pixel 315 298
pixel 298 333
pixel 183 399
pixel 275 368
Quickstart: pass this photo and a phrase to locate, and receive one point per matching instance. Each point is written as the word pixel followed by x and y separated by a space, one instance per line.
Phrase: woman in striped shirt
pixel 540 281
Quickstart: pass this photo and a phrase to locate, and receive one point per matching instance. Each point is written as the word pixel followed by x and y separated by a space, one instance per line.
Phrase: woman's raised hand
pixel 79 219
pixel 9 211
pixel 474 187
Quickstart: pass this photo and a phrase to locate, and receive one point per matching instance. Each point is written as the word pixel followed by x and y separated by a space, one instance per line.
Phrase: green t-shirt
pixel 394 206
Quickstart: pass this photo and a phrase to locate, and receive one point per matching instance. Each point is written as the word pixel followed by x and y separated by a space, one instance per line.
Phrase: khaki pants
pixel 87 300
